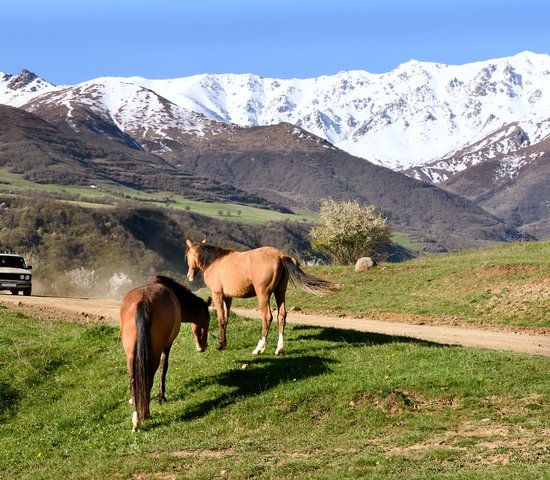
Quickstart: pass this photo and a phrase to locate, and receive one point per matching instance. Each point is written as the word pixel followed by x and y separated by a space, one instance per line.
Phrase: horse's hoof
pixel 221 346
pixel 161 400
pixel 279 351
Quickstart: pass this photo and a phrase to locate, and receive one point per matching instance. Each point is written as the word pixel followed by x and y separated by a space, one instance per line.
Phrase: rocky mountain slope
pixel 283 164
pixel 415 114
pixel 44 153
pixel 514 185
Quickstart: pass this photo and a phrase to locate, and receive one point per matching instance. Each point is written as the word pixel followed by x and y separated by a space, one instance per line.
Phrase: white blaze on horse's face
pixel 192 261
pixel 192 269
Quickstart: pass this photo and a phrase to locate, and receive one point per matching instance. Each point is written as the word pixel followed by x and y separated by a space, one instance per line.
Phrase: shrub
pixel 349 230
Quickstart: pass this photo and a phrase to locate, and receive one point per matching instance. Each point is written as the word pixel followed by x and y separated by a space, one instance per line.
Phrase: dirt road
pixel 106 310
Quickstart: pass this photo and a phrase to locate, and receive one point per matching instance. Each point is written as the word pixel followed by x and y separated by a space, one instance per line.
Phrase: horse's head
pixel 192 258
pixel 200 326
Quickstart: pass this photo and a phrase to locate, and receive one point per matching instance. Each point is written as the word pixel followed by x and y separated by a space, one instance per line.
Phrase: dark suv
pixel 15 275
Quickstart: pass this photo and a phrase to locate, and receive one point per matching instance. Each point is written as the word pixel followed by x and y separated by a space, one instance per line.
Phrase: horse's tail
pixel 306 282
pixel 142 360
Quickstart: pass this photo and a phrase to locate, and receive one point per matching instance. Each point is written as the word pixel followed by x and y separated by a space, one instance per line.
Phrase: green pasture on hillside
pixel 338 405
pixel 503 285
pixel 108 194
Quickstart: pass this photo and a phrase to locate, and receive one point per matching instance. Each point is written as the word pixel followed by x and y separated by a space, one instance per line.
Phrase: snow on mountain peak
pixel 15 90
pixel 410 116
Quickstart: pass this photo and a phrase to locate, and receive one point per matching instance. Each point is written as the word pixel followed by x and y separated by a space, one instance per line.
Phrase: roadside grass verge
pixel 339 404
pixel 507 285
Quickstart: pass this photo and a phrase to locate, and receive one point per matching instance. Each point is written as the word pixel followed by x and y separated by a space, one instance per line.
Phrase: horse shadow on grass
pixel 262 374
pixel 342 337
pixel 267 372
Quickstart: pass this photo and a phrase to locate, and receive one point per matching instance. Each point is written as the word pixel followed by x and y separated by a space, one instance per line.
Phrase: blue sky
pixel 67 42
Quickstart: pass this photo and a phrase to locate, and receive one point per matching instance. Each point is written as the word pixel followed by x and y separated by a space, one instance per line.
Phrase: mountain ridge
pixel 413 115
pixel 44 153
pixel 281 165
pixel 136 116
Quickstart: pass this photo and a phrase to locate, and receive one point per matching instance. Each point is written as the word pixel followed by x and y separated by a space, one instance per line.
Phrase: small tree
pixel 350 231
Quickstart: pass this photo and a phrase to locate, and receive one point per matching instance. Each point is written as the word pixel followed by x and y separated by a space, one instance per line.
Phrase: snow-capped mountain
pixel 415 114
pixel 507 145
pixel 253 133
pixel 410 117
pixel 140 115
pixel 15 90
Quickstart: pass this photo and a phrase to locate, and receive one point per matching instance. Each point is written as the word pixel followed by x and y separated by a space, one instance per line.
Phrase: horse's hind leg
pixel 132 402
pixel 267 317
pixel 163 369
pixel 280 294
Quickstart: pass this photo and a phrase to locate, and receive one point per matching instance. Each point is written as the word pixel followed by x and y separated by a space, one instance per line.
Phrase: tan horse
pixel 150 318
pixel 260 272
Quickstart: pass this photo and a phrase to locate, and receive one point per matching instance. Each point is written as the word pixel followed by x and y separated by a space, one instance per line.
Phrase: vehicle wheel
pixel 14 292
pixel 27 292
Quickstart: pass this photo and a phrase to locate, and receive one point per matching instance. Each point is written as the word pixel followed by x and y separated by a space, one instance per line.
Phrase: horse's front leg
pixel 267 317
pixel 223 306
pixel 161 398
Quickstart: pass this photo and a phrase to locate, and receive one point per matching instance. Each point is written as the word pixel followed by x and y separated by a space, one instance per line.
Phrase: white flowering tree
pixel 349 230
pixel 119 282
pixel 82 281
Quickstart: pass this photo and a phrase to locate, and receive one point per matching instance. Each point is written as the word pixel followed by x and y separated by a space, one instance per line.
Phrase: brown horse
pixel 150 318
pixel 260 272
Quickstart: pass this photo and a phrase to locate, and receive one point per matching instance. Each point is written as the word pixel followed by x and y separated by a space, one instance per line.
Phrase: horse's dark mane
pixel 183 294
pixel 208 254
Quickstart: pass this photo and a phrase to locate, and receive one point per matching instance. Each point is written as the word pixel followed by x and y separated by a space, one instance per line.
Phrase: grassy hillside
pixel 47 154
pixel 82 251
pixel 109 194
pixel 337 405
pixel 504 285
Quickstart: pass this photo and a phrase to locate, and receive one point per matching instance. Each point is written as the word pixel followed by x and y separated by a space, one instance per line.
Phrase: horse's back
pixel 265 262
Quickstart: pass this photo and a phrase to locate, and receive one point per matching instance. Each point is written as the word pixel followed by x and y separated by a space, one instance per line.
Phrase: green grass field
pixel 504 285
pixel 338 405
pixel 105 195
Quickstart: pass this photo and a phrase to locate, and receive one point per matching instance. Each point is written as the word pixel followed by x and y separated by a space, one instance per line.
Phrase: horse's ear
pixel 204 240
pixel 188 242
pixel 208 301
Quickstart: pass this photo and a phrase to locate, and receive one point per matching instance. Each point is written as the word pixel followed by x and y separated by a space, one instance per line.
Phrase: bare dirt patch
pixel 506 271
pixel 203 453
pixel 487 443
pixel 83 310
pixel 400 400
